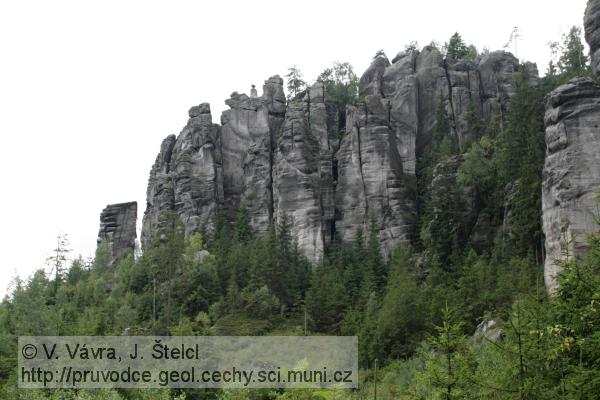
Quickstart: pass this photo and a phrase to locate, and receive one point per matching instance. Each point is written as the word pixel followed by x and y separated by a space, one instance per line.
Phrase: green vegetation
pixel 341 84
pixel 295 82
pixel 457 49
pixel 415 313
pixel 570 59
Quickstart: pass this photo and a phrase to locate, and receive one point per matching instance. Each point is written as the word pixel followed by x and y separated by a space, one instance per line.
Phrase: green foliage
pixel 230 281
pixel 457 49
pixel 450 362
pixel 570 59
pixel 400 321
pixel 341 84
pixel 326 299
pixel 519 162
pixel 295 82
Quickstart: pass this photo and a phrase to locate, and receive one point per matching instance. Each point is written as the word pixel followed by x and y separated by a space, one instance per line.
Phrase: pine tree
pixel 295 83
pixel 450 364
pixel 400 322
pixel 241 228
pixel 520 161
pixel 457 49
pixel 573 61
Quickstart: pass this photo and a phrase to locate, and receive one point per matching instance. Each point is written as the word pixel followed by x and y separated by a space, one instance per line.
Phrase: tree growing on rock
pixel 341 84
pixel 457 49
pixel 295 82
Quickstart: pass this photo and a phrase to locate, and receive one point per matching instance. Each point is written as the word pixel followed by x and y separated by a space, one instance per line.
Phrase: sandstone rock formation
pixel 332 172
pixel 187 176
pixel 591 22
pixel 118 228
pixel 571 172
pixel 210 168
pixel 303 170
pixel 248 137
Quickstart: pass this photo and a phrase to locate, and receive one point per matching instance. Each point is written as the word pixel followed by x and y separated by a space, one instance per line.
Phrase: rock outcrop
pixel 248 137
pixel 187 177
pixel 376 159
pixel 332 172
pixel 591 22
pixel 118 228
pixel 571 174
pixel 304 169
pixel 210 168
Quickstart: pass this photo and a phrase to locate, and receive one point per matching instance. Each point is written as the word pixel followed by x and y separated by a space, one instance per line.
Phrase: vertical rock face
pixel 571 171
pixel 159 195
pixel 332 172
pixel 196 171
pixel 376 159
pixel 385 135
pixel 591 22
pixel 303 184
pixel 118 228
pixel 187 177
pixel 210 168
pixel 248 136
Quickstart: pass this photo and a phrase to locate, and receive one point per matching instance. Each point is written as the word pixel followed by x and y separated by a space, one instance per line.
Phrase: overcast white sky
pixel 89 89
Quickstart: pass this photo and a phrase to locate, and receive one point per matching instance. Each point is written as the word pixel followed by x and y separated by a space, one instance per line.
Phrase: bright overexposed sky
pixel 88 89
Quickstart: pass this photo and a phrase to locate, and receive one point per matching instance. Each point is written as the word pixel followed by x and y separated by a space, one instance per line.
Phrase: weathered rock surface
pixel 187 177
pixel 591 23
pixel 118 228
pixel 571 171
pixel 331 172
pixel 303 181
pixel 210 168
pixel 386 134
pixel 248 137
pixel 376 159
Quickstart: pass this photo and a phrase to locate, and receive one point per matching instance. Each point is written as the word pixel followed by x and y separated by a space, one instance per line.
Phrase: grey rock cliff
pixel 118 228
pixel 376 159
pixel 591 22
pixel 187 177
pixel 571 173
pixel 303 170
pixel 210 168
pixel 332 172
pixel 248 137
pixel 389 131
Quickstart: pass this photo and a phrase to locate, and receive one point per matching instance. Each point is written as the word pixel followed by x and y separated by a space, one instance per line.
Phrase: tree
pixel 400 321
pixel 162 262
pixel 241 228
pixel 444 142
pixel 457 49
pixel 572 60
pixel 412 46
pixel 450 364
pixel 341 84
pixel 295 83
pixel 375 265
pixel 326 299
pixel 519 162
pixel 58 259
